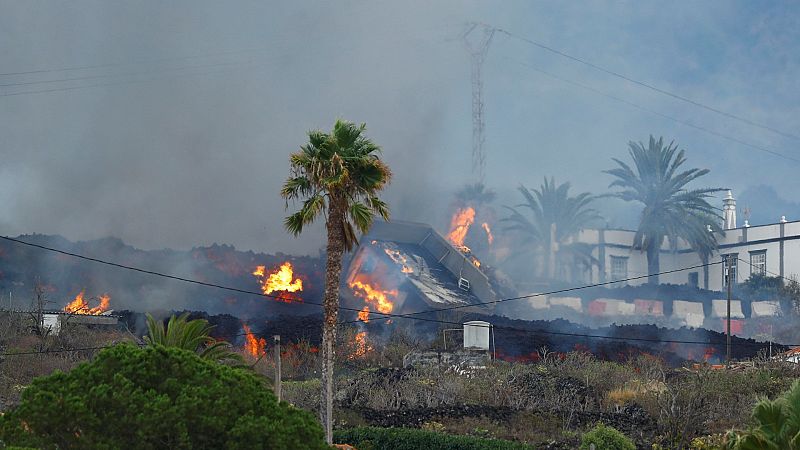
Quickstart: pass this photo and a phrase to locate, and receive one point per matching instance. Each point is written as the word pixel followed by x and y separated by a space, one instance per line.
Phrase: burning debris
pixel 381 299
pixel 281 281
pixel 253 345
pixel 81 306
pixel 361 346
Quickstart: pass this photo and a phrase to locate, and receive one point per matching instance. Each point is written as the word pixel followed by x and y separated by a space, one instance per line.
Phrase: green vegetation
pixel 606 438
pixel 671 210
pixel 192 335
pixel 370 438
pixel 337 175
pixel 156 397
pixel 776 424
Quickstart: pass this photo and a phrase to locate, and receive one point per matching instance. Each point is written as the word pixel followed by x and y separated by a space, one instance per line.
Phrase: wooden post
pixel 277 367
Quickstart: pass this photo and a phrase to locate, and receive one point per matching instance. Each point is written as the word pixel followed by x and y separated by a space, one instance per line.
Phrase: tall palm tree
pixel 555 217
pixel 671 210
pixel 192 335
pixel 338 175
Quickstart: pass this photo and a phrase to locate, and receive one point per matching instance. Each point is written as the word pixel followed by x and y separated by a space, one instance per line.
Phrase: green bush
pixel 606 438
pixel 370 438
pixel 156 397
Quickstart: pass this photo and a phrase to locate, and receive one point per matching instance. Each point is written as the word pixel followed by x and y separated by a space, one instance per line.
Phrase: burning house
pixel 404 267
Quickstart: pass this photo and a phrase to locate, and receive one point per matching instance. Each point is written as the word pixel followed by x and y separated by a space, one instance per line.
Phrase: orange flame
pixel 459 226
pixel 81 306
pixel 399 259
pixel 282 281
pixel 361 345
pixel 489 236
pixel 374 295
pixel 253 345
pixel 363 315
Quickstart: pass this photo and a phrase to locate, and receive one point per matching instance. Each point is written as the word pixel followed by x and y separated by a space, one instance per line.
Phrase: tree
pixel 776 424
pixel 156 397
pixel 555 217
pixel 192 335
pixel 338 175
pixel 670 209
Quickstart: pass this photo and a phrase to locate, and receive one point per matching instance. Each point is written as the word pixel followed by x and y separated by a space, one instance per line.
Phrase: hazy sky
pixel 176 130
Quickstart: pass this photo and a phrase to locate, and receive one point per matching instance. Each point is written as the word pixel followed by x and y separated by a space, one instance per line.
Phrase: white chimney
pixel 729 212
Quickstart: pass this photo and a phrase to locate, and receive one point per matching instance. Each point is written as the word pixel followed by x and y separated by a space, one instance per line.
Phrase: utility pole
pixel 728 276
pixel 277 367
pixel 478 51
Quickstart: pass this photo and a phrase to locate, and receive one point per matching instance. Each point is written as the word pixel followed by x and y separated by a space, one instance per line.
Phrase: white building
pixel 772 249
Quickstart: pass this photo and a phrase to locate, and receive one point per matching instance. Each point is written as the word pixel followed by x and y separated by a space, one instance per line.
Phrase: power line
pixel 390 315
pixel 305 301
pixel 650 111
pixel 648 86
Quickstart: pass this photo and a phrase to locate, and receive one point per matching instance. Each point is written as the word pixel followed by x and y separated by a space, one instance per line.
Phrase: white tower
pixel 729 212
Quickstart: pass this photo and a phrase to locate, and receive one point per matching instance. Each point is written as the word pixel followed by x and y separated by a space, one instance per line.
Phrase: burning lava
pixel 81 306
pixel 253 345
pixel 282 281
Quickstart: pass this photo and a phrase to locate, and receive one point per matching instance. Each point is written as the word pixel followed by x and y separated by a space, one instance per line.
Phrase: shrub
pixel 777 424
pixel 606 438
pixel 156 397
pixel 370 438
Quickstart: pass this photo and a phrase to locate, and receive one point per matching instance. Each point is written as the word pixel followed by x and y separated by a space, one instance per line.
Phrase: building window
pixel 758 263
pixel 694 279
pixel 619 268
pixel 731 258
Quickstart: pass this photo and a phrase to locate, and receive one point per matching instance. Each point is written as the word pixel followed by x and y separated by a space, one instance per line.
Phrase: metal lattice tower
pixel 478 50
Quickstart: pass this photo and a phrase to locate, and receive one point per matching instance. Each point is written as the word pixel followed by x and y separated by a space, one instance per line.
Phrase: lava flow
pixel 459 226
pixel 81 306
pixel 253 345
pixel 282 281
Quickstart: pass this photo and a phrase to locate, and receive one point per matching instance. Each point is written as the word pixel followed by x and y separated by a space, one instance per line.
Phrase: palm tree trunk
pixel 330 301
pixel 653 263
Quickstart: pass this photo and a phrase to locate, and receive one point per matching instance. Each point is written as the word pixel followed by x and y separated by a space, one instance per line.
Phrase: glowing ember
pixel 459 226
pixel 361 345
pixel 281 281
pixel 253 345
pixel 399 259
pixel 489 236
pixel 363 315
pixel 81 306
pixel 373 294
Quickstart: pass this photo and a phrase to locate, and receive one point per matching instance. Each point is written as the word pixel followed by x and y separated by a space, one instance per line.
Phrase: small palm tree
pixel 776 424
pixel 337 175
pixel 192 335
pixel 671 210
pixel 554 217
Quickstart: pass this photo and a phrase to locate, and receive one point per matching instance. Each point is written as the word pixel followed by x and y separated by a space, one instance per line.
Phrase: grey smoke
pixel 189 160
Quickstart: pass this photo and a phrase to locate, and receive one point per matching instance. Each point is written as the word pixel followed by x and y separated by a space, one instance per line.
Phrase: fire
pixel 399 259
pixel 459 226
pixel 363 315
pixel 253 345
pixel 489 236
pixel 81 306
pixel 282 281
pixel 361 345
pixel 374 295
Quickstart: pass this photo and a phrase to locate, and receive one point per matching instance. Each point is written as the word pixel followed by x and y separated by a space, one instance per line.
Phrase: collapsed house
pixel 404 267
